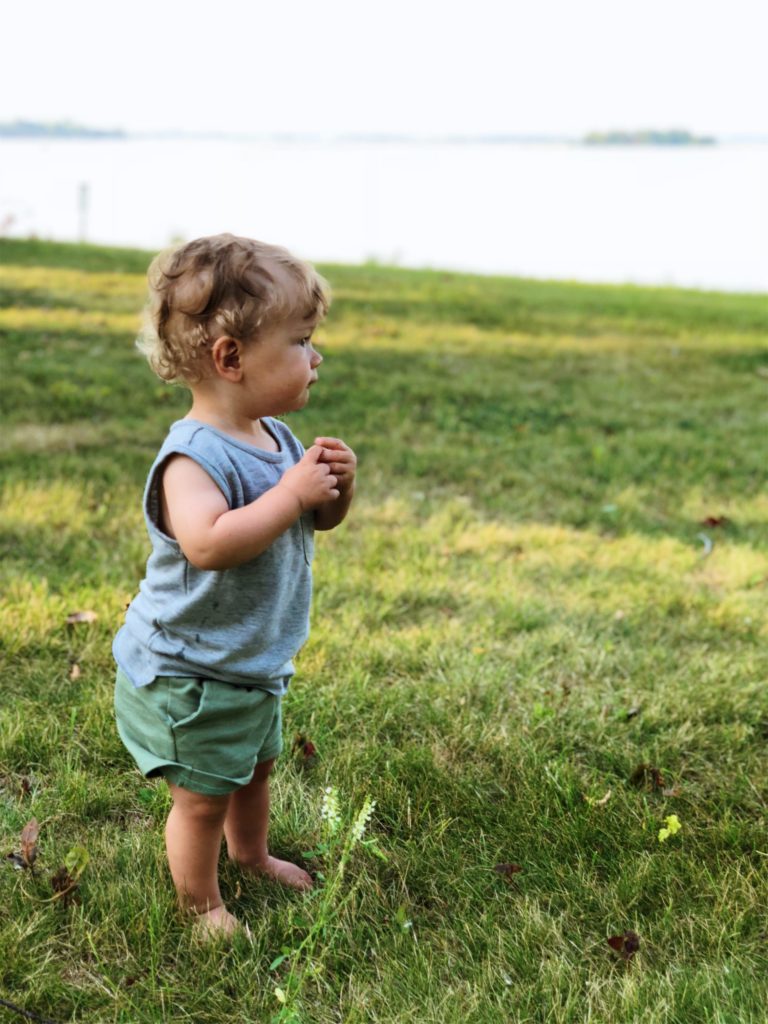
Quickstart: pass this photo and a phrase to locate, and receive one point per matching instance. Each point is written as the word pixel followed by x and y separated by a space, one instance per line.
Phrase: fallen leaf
pixel 64 886
pixel 77 617
pixel 307 748
pixel 625 945
pixel 19 787
pixel 75 672
pixel 76 861
pixel 647 776
pixel 672 791
pixel 67 878
pixel 29 835
pixel 715 521
pixel 508 871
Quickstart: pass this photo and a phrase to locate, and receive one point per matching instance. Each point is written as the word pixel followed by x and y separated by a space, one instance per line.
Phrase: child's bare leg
pixel 246 826
pixel 193 840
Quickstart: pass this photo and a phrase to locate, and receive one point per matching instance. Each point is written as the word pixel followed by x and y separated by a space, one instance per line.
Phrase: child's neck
pixel 229 422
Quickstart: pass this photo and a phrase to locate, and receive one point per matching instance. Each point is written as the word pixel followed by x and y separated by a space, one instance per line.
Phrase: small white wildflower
pixel 330 810
pixel 362 819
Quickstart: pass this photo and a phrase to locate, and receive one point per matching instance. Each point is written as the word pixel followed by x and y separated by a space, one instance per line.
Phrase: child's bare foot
pixel 281 871
pixel 218 923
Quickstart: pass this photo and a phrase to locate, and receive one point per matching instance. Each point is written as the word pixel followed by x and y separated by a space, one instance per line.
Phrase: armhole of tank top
pixel 153 500
pixel 153 503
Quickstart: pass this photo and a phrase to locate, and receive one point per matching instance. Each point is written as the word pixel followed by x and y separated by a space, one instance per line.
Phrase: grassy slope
pixel 523 567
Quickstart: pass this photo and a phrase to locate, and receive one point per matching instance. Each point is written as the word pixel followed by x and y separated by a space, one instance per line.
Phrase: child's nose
pixel 316 358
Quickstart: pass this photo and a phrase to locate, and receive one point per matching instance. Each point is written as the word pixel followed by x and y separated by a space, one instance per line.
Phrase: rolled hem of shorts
pixel 275 753
pixel 191 780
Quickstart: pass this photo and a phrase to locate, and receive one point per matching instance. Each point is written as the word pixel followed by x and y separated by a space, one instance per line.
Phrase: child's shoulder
pixel 187 435
pixel 194 436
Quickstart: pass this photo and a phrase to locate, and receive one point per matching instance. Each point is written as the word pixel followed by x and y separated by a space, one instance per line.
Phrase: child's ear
pixel 225 353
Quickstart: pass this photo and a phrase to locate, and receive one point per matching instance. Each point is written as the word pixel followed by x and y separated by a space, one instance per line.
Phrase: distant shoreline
pixel 63 130
pixel 32 130
pixel 648 138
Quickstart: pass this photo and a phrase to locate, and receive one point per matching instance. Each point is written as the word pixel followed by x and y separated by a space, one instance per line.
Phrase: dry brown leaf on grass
pixel 65 881
pixel 75 672
pixel 625 945
pixel 714 521
pixel 650 778
pixel 507 871
pixel 28 856
pixel 18 788
pixel 29 835
pixel 76 617
pixel 307 749
pixel 647 776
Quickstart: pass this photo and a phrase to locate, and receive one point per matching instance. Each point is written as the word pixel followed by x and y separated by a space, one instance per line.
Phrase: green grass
pixel 525 568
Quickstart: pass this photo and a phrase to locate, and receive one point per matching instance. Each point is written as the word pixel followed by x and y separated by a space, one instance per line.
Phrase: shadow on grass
pixel 522 435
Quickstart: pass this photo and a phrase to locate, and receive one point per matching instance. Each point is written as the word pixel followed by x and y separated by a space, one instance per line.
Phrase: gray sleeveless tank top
pixel 241 625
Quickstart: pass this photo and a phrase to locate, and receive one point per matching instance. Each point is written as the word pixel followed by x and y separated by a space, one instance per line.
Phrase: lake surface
pixel 694 217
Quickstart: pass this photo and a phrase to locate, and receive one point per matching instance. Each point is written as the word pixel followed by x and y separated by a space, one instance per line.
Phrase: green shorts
pixel 201 734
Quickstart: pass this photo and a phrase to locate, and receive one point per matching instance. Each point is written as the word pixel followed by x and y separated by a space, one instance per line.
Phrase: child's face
pixel 279 368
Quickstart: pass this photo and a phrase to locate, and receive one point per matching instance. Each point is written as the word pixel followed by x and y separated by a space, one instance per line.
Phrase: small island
pixel 56 130
pixel 676 137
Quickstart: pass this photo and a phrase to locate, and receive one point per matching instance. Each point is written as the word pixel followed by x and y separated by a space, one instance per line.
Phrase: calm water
pixel 695 217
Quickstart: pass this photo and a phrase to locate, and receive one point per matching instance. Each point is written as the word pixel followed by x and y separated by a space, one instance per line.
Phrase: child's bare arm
pixel 213 536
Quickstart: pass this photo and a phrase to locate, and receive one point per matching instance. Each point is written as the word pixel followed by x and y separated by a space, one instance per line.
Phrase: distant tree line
pixel 675 137
pixel 58 130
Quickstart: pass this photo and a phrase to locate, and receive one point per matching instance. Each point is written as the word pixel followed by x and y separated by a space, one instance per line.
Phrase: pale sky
pixel 428 67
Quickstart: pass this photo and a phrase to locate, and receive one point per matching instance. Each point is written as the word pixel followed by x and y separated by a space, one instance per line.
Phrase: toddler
pixel 231 504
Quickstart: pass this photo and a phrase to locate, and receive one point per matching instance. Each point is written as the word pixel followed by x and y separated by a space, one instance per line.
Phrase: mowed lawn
pixel 540 634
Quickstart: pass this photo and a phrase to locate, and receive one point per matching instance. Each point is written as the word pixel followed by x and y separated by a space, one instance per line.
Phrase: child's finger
pixel 330 442
pixel 338 458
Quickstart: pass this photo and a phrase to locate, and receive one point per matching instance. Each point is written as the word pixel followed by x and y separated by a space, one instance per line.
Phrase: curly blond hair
pixel 221 285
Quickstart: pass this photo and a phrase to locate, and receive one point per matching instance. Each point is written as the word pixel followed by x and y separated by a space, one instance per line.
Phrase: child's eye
pixel 305 341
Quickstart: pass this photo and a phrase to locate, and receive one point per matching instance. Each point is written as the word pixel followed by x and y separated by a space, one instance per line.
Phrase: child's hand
pixel 311 480
pixel 341 460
